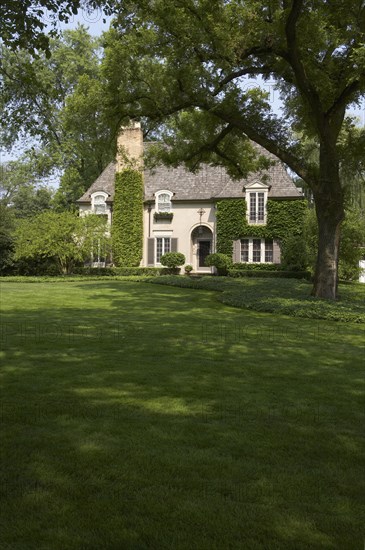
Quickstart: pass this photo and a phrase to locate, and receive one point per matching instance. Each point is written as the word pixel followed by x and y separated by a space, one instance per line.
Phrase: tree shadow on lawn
pixel 237 431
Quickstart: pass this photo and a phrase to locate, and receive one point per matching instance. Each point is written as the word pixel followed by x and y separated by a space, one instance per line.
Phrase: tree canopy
pixel 30 23
pixel 185 64
pixel 54 107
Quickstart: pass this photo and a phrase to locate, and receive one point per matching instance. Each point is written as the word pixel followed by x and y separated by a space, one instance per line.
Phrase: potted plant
pixel 188 269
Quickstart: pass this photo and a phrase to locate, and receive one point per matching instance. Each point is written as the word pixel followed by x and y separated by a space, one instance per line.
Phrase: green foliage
pixel 163 216
pixel 60 236
pixel 6 238
pixel 188 269
pixel 351 243
pixel 242 272
pixel 20 188
pixel 172 260
pixel 27 28
pixel 127 225
pixel 220 261
pixel 284 219
pixel 281 296
pixel 257 267
pixel 58 103
pixel 117 271
pixel 294 253
pixel 231 216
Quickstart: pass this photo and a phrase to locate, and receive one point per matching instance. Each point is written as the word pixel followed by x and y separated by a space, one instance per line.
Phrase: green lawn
pixel 140 416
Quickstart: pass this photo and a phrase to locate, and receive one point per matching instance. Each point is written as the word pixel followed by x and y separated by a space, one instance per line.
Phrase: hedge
pixel 269 273
pixel 118 271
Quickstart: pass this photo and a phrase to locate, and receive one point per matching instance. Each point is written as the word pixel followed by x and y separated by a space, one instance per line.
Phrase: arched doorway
pixel 202 246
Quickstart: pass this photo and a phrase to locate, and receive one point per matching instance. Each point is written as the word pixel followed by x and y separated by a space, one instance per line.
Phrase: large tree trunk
pixel 328 197
pixel 326 274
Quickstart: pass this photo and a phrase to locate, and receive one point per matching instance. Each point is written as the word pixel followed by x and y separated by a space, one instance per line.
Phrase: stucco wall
pixel 185 219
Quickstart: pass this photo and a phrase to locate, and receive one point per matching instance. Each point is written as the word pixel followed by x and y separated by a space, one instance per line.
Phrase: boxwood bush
pixel 222 262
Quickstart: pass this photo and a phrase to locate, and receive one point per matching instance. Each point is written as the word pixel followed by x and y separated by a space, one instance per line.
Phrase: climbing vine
pixel 127 225
pixel 284 219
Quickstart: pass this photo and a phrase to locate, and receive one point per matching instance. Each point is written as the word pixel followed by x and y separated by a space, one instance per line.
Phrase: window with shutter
pixel 257 250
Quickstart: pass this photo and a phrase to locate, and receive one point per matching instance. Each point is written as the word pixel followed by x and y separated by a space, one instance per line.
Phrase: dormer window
pixel 163 201
pixel 257 208
pixel 256 198
pixel 98 203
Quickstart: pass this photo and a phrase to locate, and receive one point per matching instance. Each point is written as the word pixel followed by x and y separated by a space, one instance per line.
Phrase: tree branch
pixel 292 56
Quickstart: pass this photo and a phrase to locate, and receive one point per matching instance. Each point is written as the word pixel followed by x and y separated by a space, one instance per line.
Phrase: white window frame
pixel 94 204
pixel 157 196
pixel 164 251
pixel 254 190
pixel 251 250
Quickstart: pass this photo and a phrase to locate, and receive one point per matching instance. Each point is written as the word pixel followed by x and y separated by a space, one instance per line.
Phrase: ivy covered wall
pixel 284 219
pixel 127 222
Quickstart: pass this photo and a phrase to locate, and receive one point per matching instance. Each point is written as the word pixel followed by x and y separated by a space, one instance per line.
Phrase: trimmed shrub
pixel 173 260
pixel 222 262
pixel 188 269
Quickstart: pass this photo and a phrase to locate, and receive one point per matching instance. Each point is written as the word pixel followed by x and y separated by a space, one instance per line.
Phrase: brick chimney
pixel 130 147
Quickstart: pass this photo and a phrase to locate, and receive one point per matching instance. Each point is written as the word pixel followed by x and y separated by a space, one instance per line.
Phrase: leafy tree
pixel 59 103
pixel 299 253
pixel 185 63
pixel 24 24
pixel 62 236
pixel 20 189
pixel 6 238
pixel 14 176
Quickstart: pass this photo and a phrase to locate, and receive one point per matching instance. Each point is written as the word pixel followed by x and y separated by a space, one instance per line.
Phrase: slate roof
pixel 209 183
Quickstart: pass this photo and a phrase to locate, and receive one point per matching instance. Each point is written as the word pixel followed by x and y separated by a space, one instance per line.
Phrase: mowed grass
pixel 140 416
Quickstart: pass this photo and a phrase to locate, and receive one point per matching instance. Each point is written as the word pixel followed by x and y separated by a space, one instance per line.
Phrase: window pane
pixel 260 207
pixel 252 207
pixel 163 246
pixel 269 250
pixel 256 250
pixel 167 247
pixel 164 203
pixel 159 242
pixel 244 250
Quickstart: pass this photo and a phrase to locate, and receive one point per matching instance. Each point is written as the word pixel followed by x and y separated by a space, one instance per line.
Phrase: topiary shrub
pixel 188 269
pixel 222 262
pixel 173 260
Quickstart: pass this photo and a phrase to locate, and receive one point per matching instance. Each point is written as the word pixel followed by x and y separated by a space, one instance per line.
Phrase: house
pixel 204 212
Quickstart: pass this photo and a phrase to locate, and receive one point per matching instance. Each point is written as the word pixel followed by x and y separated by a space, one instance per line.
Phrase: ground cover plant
pixel 280 296
pixel 140 416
